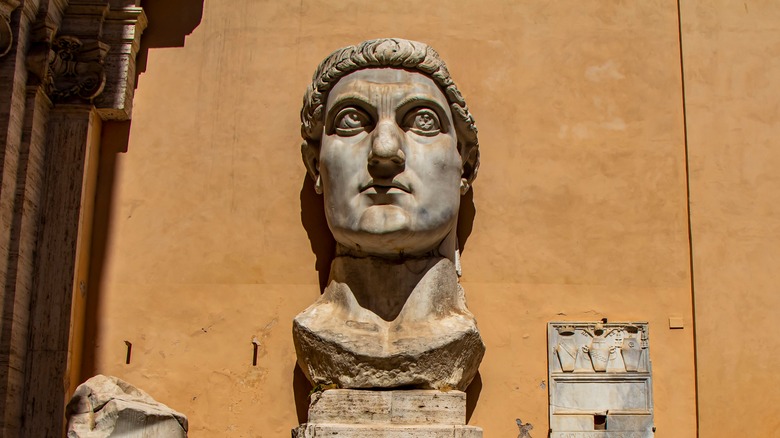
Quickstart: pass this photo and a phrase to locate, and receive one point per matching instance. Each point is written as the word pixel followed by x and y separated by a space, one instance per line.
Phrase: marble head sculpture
pixel 392 147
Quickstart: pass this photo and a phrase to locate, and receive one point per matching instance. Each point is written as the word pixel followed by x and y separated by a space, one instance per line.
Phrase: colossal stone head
pixel 390 143
pixel 392 147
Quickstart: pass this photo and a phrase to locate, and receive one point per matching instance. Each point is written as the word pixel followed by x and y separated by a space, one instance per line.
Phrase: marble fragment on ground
pixel 105 406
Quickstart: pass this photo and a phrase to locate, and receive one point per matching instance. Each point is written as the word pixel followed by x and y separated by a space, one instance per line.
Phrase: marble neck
pixel 390 288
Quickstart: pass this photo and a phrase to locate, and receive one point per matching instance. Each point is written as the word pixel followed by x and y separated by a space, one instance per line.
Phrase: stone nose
pixel 386 158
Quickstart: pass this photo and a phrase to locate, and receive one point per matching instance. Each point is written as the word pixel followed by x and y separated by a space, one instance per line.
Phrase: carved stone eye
pixel 351 121
pixel 423 121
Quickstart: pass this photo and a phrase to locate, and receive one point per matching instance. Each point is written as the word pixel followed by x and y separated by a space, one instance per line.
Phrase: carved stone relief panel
pixel 600 380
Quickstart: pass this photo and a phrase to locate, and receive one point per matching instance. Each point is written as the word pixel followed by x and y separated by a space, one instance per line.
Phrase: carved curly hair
pixel 387 52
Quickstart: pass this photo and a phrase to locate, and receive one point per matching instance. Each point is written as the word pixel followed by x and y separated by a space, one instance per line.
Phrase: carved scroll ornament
pixel 76 69
pixel 6 34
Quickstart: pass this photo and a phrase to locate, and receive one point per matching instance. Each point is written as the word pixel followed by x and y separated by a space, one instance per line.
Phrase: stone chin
pixel 389 231
pixel 385 220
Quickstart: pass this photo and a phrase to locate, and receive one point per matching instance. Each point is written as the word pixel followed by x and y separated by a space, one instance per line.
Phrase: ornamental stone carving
pixel 599 348
pixel 76 69
pixel 68 69
pixel 600 380
pixel 392 147
pixel 6 34
pixel 95 66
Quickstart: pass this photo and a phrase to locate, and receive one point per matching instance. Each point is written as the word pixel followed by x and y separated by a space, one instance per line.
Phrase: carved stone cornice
pixel 122 30
pixel 89 56
pixel 6 33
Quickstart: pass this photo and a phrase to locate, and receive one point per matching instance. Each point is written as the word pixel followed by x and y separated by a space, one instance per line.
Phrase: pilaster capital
pixel 76 69
pixel 89 55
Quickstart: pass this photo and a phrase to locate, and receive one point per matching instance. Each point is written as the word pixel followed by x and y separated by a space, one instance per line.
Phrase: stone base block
pixel 602 434
pixel 385 431
pixel 350 413
pixel 349 406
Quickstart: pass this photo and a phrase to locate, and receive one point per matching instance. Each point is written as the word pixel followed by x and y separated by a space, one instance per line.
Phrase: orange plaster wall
pixel 732 81
pixel 580 203
pixel 83 246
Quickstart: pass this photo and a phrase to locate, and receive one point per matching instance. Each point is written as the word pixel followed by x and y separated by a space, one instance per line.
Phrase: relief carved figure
pixel 567 348
pixel 601 348
pixel 634 342
pixel 392 147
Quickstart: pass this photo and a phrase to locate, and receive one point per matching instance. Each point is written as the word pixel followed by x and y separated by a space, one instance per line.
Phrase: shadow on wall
pixel 170 22
pixel 323 245
pixel 301 391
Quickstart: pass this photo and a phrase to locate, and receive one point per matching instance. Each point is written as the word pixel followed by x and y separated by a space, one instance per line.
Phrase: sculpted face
pixel 389 163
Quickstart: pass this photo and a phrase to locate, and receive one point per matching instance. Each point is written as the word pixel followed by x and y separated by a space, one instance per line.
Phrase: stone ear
pixel 310 155
pixel 470 155
pixel 464 186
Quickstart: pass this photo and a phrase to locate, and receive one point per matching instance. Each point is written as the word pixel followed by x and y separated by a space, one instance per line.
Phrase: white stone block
pixel 350 406
pixel 386 431
pixel 429 407
pixel 350 413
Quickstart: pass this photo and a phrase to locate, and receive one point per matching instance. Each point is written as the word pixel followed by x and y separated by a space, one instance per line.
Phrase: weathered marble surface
pixel 390 407
pixel 105 406
pixel 600 380
pixel 432 342
pixel 404 413
pixel 392 147
pixel 375 431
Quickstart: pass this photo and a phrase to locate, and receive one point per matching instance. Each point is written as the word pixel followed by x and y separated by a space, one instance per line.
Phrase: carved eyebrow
pixel 421 98
pixel 350 98
pixel 343 101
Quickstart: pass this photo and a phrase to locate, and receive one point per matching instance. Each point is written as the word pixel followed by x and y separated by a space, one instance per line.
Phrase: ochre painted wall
pixel 732 82
pixel 580 204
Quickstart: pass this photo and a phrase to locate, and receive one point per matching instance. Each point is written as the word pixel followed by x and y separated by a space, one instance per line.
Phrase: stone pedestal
pixel 351 413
